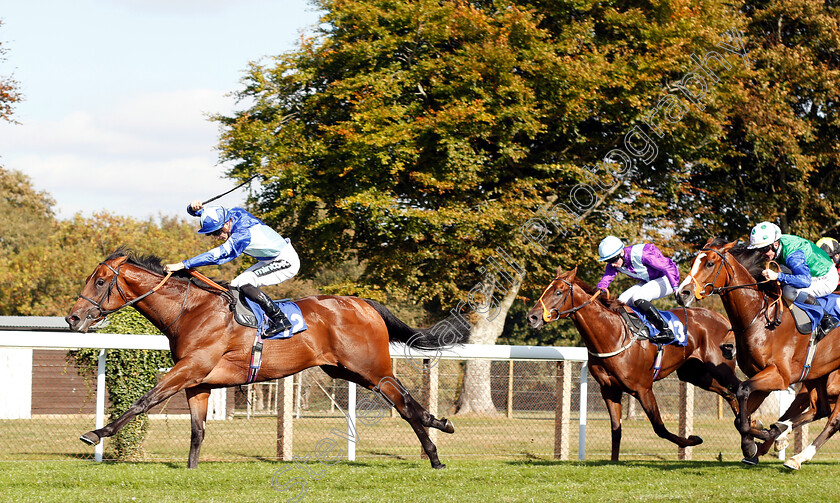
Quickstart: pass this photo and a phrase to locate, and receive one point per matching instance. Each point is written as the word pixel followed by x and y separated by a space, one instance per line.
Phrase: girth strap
pixel 256 360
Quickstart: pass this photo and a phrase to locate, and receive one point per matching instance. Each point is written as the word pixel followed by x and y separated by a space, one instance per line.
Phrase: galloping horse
pixel 347 337
pixel 621 365
pixel 772 356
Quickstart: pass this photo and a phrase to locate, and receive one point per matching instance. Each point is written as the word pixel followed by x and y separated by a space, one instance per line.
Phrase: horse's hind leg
pixel 648 401
pixel 417 416
pixel 197 399
pixel 390 388
pixel 831 427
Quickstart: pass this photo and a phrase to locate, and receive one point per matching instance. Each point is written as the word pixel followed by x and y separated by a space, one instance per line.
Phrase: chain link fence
pixel 524 395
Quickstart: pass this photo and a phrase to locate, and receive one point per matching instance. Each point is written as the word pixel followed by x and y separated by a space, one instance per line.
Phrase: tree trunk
pixel 476 396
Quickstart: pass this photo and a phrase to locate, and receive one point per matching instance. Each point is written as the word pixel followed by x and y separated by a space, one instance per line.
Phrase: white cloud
pixel 149 154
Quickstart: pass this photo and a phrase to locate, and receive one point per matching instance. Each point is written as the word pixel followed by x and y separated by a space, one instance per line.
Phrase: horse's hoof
pixel 90 438
pixel 781 444
pixel 695 440
pixel 793 464
pixel 440 466
pixel 448 427
pixel 750 461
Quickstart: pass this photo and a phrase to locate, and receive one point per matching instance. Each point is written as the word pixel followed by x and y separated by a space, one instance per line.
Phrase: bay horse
pixel 347 337
pixel 621 364
pixel 772 355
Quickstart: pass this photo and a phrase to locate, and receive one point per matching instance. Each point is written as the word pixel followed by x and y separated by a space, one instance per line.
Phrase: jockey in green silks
pixel 812 273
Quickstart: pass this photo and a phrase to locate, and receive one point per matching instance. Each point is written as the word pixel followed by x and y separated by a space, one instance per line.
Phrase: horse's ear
pixel 573 273
pixel 559 271
pixel 708 242
pixel 728 246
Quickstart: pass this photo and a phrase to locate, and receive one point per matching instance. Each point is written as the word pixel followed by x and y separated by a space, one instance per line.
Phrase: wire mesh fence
pixel 523 393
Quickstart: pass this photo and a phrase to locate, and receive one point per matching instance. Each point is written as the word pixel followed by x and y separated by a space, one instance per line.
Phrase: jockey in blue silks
pixel 245 233
pixel 812 273
pixel 657 274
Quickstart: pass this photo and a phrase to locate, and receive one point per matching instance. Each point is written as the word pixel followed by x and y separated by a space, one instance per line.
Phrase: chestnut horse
pixel 773 356
pixel 347 337
pixel 621 365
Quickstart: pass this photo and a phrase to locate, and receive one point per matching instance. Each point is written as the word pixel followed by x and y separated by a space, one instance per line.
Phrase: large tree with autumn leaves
pixel 419 137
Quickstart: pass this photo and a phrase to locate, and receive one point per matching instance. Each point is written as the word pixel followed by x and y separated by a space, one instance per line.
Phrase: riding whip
pixel 231 190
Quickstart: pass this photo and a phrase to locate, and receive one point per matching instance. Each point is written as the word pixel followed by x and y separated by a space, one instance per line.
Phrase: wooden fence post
pixel 563 410
pixel 285 409
pixel 686 418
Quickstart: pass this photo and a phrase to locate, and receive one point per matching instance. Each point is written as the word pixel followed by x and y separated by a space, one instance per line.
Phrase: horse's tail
pixel 443 334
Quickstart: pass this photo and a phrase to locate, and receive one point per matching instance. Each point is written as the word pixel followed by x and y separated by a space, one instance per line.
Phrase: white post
pixel 100 403
pixel 353 432
pixel 584 398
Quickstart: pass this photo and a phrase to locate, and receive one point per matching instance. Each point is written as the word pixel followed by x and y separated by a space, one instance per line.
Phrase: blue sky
pixel 117 95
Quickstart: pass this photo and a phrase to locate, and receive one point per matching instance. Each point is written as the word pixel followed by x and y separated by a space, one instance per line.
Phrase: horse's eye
pixel 709 265
pixel 100 282
pixel 557 293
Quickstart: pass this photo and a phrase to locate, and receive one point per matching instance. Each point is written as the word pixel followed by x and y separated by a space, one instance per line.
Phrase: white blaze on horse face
pixel 694 267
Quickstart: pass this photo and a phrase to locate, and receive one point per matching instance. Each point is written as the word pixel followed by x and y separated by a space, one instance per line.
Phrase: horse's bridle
pixel 721 290
pixel 547 313
pixel 128 303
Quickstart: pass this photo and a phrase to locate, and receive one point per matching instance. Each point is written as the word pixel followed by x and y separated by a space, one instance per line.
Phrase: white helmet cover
pixel 610 247
pixel 764 234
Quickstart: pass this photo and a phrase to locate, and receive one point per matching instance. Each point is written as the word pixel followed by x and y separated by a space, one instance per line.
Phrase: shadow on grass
pixel 664 466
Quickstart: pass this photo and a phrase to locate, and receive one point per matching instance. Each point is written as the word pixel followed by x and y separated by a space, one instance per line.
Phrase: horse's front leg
pixel 197 399
pixel 751 393
pixel 184 374
pixel 612 398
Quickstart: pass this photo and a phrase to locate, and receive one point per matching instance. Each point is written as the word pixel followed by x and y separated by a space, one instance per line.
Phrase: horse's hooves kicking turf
pixel 750 461
pixel 439 467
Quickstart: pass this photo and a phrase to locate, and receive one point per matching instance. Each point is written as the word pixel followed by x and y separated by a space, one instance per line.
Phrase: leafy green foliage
pixel 129 374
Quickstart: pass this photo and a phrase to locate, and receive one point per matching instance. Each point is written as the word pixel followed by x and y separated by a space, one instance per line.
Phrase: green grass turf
pixel 413 481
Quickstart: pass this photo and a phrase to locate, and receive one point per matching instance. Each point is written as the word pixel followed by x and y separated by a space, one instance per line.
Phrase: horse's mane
pixel 752 260
pixel 611 304
pixel 152 263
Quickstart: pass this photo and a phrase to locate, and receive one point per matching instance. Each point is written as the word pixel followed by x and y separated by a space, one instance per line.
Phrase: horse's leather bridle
pixel 721 290
pixel 547 313
pixel 105 312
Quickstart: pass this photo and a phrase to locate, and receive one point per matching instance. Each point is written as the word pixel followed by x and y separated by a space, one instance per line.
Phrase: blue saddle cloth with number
pixel 830 304
pixel 290 309
pixel 674 323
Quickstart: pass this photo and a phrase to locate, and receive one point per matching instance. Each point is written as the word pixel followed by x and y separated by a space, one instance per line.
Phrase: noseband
pixel 105 312
pixel 547 313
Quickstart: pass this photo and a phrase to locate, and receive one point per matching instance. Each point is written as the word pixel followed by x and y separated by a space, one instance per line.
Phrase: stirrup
pixel 663 337
pixel 277 325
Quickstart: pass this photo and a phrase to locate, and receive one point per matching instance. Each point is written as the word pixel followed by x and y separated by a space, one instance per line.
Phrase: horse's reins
pixel 767 305
pixel 547 313
pixel 721 290
pixel 574 309
pixel 105 312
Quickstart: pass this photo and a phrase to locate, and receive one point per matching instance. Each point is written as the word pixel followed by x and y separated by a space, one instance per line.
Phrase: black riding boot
pixel 277 320
pixel 665 335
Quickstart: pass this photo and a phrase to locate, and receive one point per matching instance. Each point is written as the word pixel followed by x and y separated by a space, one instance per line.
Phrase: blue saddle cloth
pixel 676 326
pixel 829 304
pixel 290 309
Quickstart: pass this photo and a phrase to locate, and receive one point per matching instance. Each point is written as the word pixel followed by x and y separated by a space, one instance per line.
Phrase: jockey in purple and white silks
pixel 245 233
pixel 658 276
